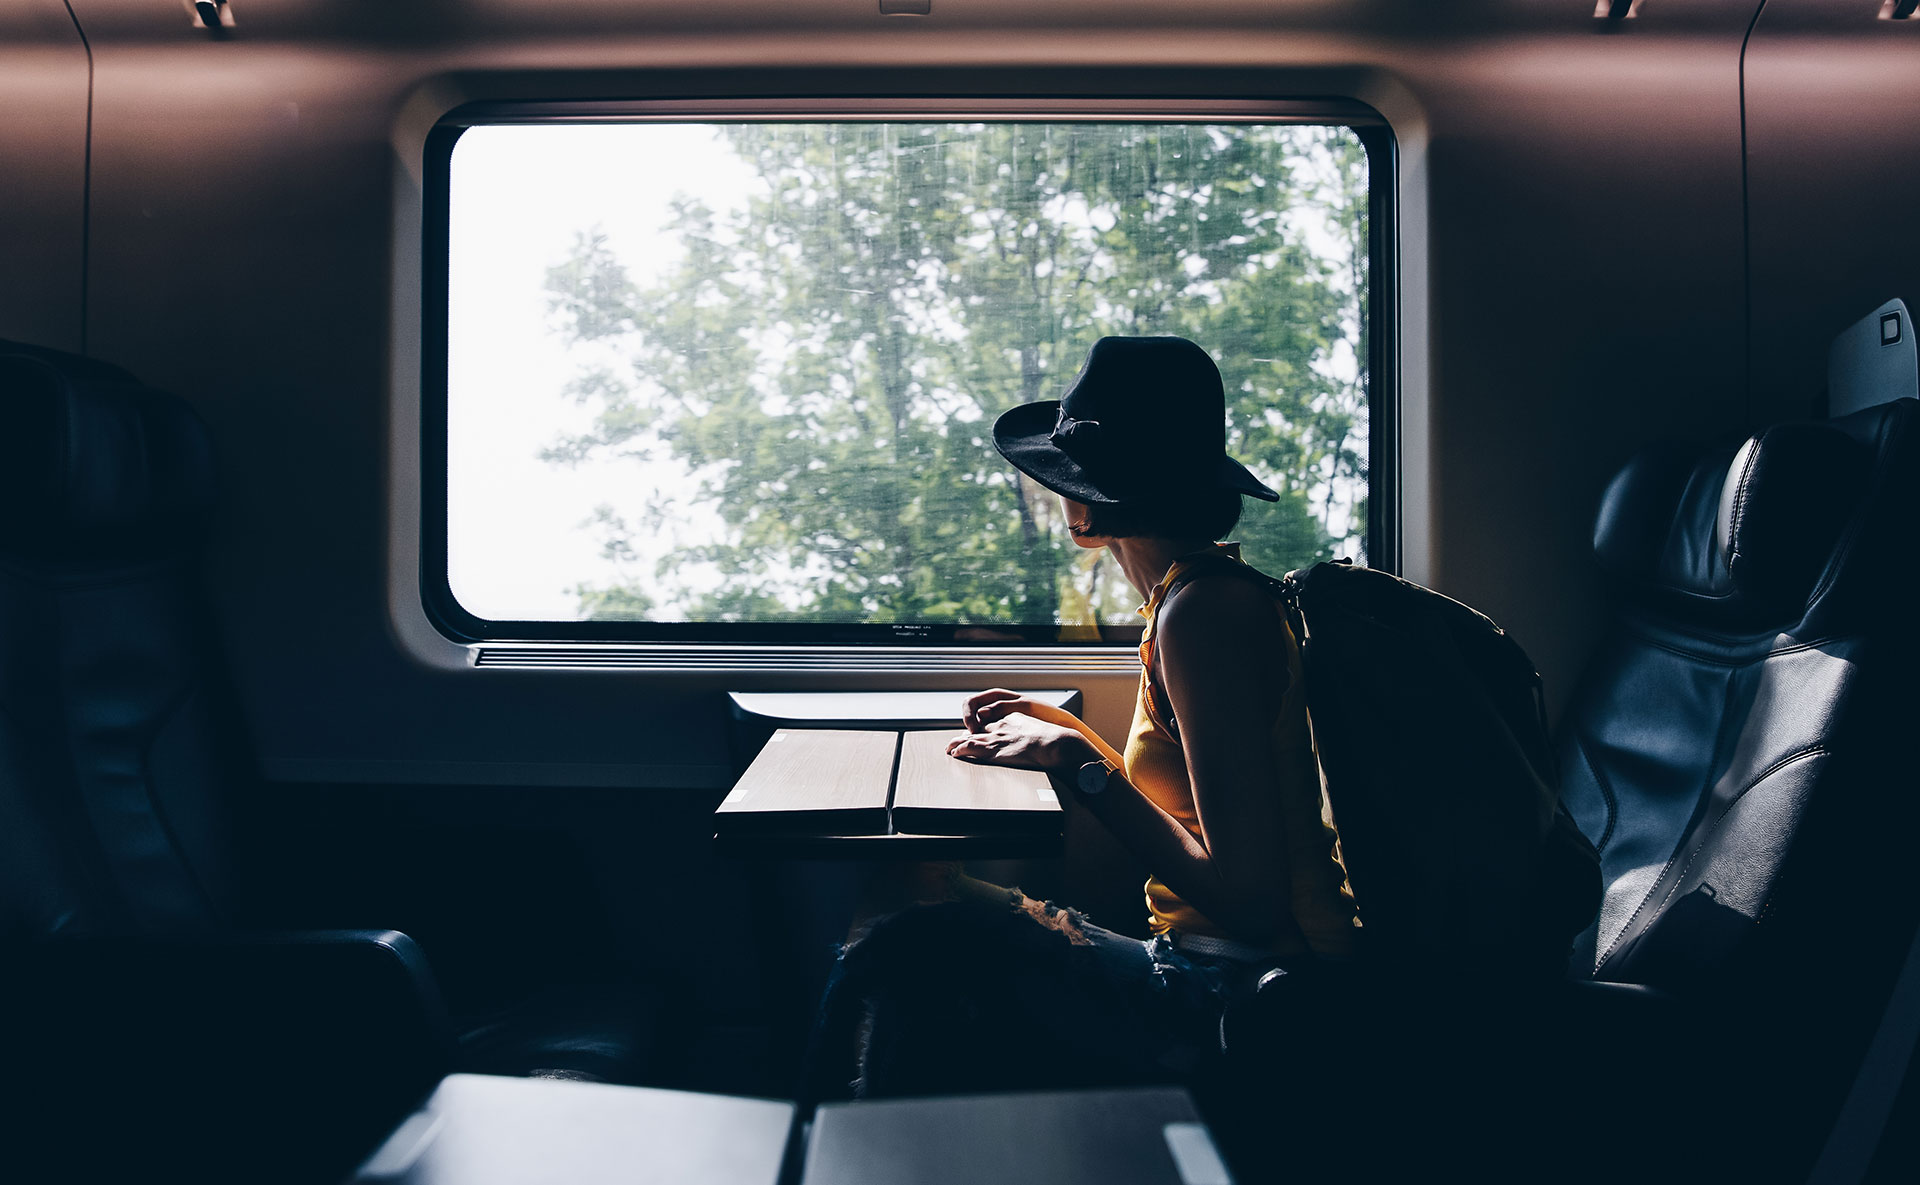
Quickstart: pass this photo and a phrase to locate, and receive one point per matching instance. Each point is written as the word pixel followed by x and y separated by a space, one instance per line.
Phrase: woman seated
pixel 1215 787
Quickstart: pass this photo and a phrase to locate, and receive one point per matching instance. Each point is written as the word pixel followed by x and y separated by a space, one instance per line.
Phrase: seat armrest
pixel 1281 999
pixel 1618 1028
pixel 1630 1002
pixel 380 968
pixel 271 1056
pixel 1506 1069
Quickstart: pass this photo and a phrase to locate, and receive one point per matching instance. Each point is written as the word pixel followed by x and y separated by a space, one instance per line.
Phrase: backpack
pixel 1431 730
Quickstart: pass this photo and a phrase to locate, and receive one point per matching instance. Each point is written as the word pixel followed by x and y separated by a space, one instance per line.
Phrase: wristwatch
pixel 1093 776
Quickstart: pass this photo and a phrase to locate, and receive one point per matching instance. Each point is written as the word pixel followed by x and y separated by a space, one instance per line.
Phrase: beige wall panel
pixel 1834 169
pixel 1586 299
pixel 43 172
pixel 1572 289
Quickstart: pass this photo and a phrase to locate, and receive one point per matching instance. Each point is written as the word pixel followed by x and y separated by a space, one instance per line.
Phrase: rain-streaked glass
pixel 736 372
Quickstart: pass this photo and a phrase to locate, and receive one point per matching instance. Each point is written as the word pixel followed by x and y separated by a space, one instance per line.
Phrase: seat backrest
pixel 1721 706
pixel 110 772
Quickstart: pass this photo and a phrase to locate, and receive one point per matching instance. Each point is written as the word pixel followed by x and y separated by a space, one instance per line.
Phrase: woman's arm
pixel 1217 641
pixel 1222 662
pixel 984 709
pixel 1170 850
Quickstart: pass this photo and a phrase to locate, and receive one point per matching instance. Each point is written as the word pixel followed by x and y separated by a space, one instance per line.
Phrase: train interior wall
pixel 1609 234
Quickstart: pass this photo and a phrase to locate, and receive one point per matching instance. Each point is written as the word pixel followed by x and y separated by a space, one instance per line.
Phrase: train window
pixel 733 380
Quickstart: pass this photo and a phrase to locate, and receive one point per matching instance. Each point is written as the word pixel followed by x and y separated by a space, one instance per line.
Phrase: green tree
pixel 826 360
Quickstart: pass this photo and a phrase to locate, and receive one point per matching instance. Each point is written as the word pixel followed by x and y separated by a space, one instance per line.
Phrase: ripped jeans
pixel 1000 992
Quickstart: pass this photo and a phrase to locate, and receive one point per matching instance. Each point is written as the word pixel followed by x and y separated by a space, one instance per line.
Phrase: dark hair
pixel 1205 514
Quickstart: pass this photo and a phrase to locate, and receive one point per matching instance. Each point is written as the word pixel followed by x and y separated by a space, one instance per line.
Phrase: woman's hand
pixel 988 706
pixel 1021 740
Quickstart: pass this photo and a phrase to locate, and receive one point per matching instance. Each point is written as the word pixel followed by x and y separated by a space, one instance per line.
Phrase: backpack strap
pixel 1288 589
pixel 1208 563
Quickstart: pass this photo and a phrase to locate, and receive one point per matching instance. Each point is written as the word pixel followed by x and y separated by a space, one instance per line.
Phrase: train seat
pixel 106 698
pixel 1734 753
pixel 121 756
pixel 1721 705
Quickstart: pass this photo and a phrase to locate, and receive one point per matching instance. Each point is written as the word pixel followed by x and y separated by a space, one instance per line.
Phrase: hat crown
pixel 1146 417
pixel 1149 395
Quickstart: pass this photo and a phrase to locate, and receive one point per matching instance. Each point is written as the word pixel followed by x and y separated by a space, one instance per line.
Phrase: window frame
pixel 454 621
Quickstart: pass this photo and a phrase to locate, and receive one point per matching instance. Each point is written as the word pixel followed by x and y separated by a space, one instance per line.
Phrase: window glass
pixel 745 373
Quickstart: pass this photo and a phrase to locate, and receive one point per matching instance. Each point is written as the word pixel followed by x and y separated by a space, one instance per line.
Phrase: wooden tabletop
pixel 884 794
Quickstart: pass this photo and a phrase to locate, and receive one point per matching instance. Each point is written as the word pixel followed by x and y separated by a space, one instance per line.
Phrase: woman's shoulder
pixel 1224 641
pixel 1220 579
pixel 1222 606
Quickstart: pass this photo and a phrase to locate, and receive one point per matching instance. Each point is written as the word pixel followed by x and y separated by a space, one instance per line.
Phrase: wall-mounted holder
pixel 215 16
pixel 1873 360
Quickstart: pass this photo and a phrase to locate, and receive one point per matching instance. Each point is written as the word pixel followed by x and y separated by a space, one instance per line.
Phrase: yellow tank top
pixel 1314 881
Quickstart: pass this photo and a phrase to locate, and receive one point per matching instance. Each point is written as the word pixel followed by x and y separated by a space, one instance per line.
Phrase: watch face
pixel 1093 777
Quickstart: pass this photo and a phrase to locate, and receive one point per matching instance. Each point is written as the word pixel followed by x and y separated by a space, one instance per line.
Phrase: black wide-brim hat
pixel 1145 418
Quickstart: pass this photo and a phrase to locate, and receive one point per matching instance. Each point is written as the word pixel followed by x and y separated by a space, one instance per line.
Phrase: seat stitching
pixel 1601 959
pixel 1740 499
pixel 1797 647
pixel 1641 908
pixel 1700 841
pixel 1719 818
pixel 1717 660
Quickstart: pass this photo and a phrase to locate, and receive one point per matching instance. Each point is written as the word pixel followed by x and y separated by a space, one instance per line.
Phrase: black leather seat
pixel 1738 751
pixel 112 801
pixel 1752 589
pixel 120 755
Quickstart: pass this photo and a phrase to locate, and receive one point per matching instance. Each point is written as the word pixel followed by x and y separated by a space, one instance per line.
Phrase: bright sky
pixel 519 195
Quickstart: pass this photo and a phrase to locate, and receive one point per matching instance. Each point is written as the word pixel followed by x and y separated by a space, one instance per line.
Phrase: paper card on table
pixel 817 781
pixel 939 795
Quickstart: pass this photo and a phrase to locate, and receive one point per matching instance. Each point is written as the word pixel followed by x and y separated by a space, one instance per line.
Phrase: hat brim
pixel 1024 437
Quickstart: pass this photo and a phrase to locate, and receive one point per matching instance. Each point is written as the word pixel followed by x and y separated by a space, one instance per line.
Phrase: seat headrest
pixel 1737 536
pixel 91 457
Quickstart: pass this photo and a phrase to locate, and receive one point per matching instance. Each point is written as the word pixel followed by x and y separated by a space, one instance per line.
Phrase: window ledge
pixel 614 656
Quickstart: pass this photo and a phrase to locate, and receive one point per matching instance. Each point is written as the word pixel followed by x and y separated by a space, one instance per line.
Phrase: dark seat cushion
pixel 95 464
pixel 1713 713
pixel 121 754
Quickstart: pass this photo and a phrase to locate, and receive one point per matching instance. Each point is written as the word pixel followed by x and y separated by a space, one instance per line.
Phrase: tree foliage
pixel 825 360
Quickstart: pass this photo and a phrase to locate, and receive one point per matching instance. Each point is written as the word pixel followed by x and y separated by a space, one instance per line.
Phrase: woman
pixel 1215 789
